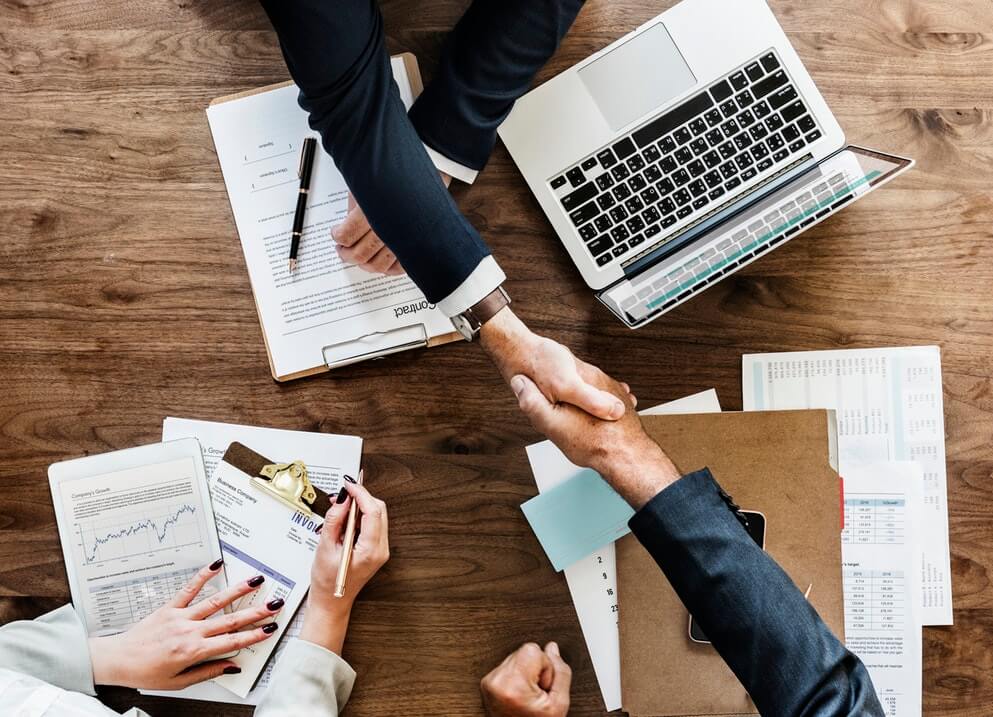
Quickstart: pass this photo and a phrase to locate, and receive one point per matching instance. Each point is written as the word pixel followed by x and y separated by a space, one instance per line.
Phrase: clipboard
pixel 375 345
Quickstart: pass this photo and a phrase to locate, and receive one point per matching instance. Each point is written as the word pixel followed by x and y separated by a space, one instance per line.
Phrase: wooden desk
pixel 124 299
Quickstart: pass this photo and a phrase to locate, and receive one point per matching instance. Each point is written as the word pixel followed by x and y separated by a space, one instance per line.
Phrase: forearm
pixel 337 56
pixel 52 648
pixel 769 635
pixel 489 60
pixel 326 627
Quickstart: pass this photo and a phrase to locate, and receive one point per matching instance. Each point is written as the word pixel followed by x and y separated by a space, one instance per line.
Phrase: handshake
pixel 592 419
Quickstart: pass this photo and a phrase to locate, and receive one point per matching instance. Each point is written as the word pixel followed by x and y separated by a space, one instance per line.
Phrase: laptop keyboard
pixel 686 162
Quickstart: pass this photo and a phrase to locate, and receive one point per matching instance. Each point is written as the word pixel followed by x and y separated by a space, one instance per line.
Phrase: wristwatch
pixel 470 321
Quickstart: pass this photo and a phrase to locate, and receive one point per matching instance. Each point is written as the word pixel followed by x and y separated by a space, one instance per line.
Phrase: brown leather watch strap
pixel 490 305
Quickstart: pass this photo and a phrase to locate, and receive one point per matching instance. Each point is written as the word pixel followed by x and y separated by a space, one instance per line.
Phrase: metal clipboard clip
pixel 289 484
pixel 378 344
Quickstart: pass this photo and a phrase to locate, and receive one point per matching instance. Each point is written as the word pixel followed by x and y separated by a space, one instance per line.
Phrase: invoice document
pixel 889 406
pixel 593 580
pixel 880 553
pixel 327 312
pixel 328 458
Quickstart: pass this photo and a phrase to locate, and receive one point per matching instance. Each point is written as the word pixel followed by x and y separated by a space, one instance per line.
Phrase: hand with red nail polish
pixel 176 645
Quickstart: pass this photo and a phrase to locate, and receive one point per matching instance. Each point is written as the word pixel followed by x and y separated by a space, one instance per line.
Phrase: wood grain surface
pixel 124 299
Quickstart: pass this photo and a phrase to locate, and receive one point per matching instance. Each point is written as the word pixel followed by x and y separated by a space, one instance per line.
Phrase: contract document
pixel 889 407
pixel 880 552
pixel 327 312
pixel 328 458
pixel 593 580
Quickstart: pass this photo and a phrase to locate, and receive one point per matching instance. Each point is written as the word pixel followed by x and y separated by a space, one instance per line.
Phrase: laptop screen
pixel 793 208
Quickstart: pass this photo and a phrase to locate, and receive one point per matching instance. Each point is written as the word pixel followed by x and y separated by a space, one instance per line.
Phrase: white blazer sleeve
pixel 307 679
pixel 52 648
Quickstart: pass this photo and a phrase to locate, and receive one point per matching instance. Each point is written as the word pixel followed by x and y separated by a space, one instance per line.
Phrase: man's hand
pixel 531 682
pixel 359 245
pixel 561 377
pixel 620 451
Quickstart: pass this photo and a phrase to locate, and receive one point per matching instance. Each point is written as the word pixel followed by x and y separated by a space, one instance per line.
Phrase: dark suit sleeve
pixel 769 635
pixel 335 52
pixel 489 60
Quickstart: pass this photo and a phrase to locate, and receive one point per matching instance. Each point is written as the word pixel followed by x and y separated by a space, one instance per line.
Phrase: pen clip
pixel 303 155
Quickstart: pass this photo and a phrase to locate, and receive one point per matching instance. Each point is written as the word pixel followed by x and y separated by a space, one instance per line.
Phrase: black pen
pixel 306 168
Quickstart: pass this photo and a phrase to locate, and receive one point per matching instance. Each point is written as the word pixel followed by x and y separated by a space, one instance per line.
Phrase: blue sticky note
pixel 577 518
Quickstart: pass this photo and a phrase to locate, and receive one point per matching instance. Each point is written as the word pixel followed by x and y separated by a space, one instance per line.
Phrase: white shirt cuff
pixel 451 167
pixel 486 277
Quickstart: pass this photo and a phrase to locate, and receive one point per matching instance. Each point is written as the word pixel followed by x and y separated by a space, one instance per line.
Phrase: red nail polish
pixel 275 604
pixel 216 565
pixel 256 581
pixel 232 670
pixel 270 628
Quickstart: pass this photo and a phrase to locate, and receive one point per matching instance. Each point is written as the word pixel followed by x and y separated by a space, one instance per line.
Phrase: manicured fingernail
pixel 232 670
pixel 256 581
pixel 270 628
pixel 342 494
pixel 275 604
pixel 350 479
pixel 517 385
pixel 216 565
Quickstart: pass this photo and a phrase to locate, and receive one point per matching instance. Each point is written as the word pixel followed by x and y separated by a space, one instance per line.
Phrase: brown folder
pixel 778 463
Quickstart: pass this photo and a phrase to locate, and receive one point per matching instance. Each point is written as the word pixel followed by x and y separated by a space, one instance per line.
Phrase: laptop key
pixel 713 179
pixel 624 148
pixel 758 132
pixel 587 232
pixel 605 181
pixel 635 224
pixel 715 137
pixel 667 144
pixel 652 230
pixel 730 128
pixel 715 193
pixel 620 233
pixel 700 203
pixel 575 176
pixel 806 124
pixel 698 188
pixel 696 168
pixel 732 183
pixel 637 183
pixel 600 245
pixel 681 177
pixel 748 174
pixel 743 160
pixel 797 146
pixel 791 133
pixel 684 212
pixel 698 126
pixel 651 215
pixel 791 112
pixel 606 201
pixel 668 221
pixel 634 205
pixel 742 141
pixel 602 223
pixel 667 206
pixel 604 259
pixel 721 91
pixel 813 136
pixel 636 240
pixel 665 186
pixel 636 163
pixel 653 173
pixel 728 170
pixel 589 164
pixel 606 159
pixel 727 150
pixel 682 135
pixel 652 154
pixel 711 159
pixel 618 250
pixel 650 196
pixel 761 109
pixel 668 165
pixel 782 97
pixel 770 84
pixel 714 118
pixel 744 99
pixel 746 118
pixel 754 72
pixel 618 214
pixel 579 197
pixel 584 214
pixel 775 142
pixel 699 146
pixel 760 150
pixel 774 122
pixel 683 155
pixel 558 181
pixel 769 62
pixel 764 165
pixel 681 197
pixel 738 80
pixel 729 109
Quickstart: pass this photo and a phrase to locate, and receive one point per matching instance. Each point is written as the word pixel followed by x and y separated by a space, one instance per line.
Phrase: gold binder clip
pixel 288 483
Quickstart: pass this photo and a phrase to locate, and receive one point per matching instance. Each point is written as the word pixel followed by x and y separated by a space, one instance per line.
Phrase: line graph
pixel 124 536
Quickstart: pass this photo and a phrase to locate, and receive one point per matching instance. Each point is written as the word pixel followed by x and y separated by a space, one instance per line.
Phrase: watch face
pixel 463 326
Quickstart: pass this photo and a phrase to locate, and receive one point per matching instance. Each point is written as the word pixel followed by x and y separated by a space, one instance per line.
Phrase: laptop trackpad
pixel 637 77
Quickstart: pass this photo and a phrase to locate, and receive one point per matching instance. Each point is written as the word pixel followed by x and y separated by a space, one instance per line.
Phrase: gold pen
pixel 348 542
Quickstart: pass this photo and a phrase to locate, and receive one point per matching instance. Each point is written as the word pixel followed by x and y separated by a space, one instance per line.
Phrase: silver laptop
pixel 684 151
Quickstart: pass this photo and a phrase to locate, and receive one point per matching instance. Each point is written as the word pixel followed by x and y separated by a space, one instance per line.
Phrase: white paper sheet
pixel 325 302
pixel 880 551
pixel 593 580
pixel 889 404
pixel 328 457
